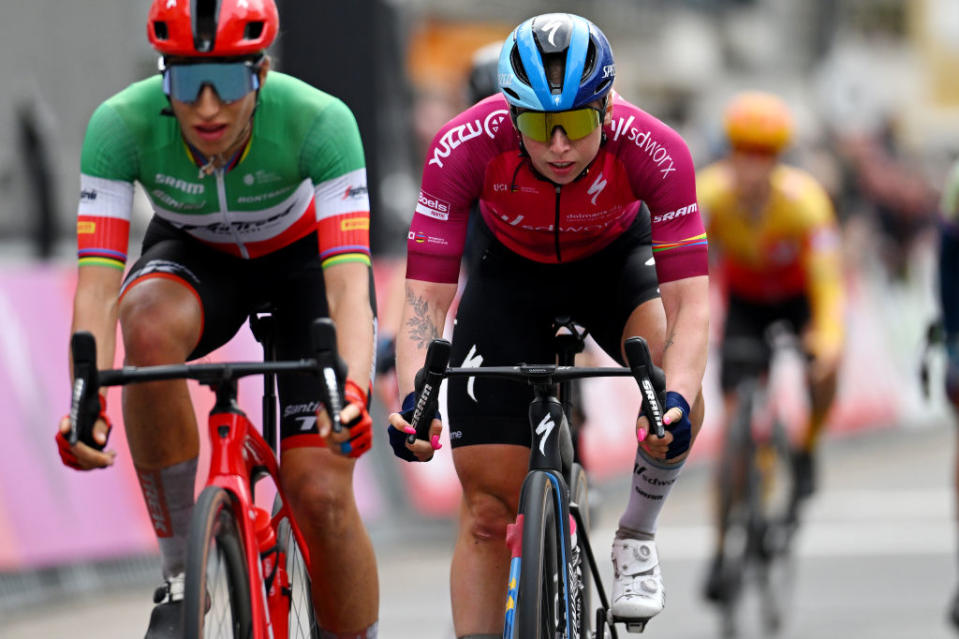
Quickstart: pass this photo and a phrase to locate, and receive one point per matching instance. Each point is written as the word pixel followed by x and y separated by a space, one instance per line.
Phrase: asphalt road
pixel 876 559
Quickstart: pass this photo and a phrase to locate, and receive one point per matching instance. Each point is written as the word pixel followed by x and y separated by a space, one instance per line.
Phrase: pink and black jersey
pixel 477 157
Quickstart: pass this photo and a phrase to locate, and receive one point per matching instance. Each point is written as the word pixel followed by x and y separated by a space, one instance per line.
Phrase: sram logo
pixel 685 210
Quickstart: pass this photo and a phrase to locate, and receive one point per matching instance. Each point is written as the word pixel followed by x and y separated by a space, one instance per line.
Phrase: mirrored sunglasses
pixel 539 125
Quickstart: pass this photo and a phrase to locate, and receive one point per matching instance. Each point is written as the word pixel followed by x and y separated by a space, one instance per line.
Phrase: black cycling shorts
pixel 746 325
pixel 290 281
pixel 506 314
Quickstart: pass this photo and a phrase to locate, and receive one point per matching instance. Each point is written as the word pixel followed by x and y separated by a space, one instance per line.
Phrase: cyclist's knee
pixel 319 505
pixel 486 516
pixel 157 327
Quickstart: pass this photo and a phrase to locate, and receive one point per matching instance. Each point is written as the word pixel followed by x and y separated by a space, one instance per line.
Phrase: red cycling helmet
pixel 212 28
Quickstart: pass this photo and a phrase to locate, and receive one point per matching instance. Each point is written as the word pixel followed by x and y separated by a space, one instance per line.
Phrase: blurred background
pixel 874 86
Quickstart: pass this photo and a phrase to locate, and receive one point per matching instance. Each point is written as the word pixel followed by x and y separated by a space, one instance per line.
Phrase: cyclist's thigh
pixel 618 294
pixel 294 284
pixel 215 279
pixel 503 319
pixel 491 490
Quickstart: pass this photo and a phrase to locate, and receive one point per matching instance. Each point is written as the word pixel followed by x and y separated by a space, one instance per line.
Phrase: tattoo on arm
pixel 421 328
pixel 669 342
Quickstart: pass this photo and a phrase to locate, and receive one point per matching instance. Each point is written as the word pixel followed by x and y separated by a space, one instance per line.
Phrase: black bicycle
pixel 758 505
pixel 549 587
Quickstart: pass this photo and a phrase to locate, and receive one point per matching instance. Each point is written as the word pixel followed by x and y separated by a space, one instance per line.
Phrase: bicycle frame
pixel 239 458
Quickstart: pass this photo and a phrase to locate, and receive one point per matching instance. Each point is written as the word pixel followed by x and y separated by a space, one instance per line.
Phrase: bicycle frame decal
pixel 514 540
pixel 563 536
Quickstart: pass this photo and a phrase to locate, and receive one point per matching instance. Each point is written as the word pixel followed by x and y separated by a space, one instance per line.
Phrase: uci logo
pixel 609 71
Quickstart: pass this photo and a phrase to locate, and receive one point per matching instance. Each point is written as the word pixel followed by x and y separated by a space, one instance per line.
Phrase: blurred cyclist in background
pixel 258 185
pixel 949 296
pixel 773 231
pixel 559 165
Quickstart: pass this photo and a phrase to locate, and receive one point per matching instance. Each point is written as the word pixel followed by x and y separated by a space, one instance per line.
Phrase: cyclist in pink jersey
pixel 561 168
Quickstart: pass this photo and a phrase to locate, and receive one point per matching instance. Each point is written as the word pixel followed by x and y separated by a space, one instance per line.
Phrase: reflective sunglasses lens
pixel 230 81
pixel 540 126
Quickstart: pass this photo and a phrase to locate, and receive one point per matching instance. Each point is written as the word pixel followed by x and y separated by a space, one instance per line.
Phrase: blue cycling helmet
pixel 588 67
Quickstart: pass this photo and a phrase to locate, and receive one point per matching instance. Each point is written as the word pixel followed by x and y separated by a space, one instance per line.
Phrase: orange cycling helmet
pixel 758 121
pixel 212 28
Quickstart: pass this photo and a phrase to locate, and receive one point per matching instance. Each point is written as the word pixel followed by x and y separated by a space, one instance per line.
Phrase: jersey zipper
pixel 224 210
pixel 559 255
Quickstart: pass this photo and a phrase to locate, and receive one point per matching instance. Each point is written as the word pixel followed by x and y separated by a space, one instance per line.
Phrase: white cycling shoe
pixel 638 592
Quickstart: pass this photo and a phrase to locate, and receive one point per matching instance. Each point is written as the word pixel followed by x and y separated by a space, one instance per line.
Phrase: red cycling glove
pixel 63 446
pixel 361 428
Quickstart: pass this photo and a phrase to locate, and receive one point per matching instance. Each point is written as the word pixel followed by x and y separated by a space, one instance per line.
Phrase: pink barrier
pixel 49 513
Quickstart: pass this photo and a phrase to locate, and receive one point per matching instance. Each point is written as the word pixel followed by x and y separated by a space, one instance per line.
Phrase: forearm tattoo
pixel 421 328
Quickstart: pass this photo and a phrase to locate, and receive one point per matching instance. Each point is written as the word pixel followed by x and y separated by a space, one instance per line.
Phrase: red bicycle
pixel 247 569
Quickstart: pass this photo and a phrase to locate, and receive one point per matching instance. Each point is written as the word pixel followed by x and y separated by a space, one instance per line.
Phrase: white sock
pixel 652 481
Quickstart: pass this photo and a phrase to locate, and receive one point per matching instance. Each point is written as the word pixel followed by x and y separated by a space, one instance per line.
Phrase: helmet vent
pixel 160 30
pixel 253 30
pixel 590 59
pixel 511 93
pixel 517 64
pixel 205 17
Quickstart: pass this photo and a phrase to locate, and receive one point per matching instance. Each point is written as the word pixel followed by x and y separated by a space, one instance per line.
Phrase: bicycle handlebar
pixel 651 380
pixel 85 405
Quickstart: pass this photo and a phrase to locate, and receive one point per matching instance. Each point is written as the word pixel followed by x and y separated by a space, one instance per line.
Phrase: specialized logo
pixel 553 26
pixel 190 188
pixel 686 210
pixel 355 191
pixel 544 428
pixel 433 207
pixel 645 141
pixel 88 194
pixel 472 360
pixel 597 187
pixel 609 71
pixel 466 132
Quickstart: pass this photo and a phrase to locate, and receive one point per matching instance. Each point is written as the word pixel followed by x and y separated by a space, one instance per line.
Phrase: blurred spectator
pixel 891 191
pixel 949 296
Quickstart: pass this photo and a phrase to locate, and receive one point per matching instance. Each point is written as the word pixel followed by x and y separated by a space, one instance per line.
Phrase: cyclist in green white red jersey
pixel 258 186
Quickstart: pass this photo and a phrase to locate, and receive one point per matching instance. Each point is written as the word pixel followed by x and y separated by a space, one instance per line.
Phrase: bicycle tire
pixel 541 594
pixel 734 480
pixel 217 589
pixel 580 584
pixel 302 619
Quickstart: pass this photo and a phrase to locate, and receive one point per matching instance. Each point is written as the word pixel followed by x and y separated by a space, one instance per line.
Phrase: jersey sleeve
pixel 662 175
pixel 823 265
pixel 332 157
pixel 452 181
pixel 108 167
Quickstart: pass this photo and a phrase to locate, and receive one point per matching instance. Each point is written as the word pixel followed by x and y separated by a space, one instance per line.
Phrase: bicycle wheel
pixel 580 581
pixel 541 603
pixel 777 566
pixel 736 518
pixel 302 620
pixel 217 589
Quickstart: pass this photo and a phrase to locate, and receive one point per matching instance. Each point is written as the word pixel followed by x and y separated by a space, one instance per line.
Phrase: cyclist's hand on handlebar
pixel 357 435
pixel 678 430
pixel 399 427
pixel 82 456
